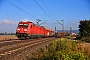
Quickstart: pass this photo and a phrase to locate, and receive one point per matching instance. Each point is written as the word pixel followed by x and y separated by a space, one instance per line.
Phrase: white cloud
pixel 8 22
pixel 13 22
pixel 10 25
pixel 26 19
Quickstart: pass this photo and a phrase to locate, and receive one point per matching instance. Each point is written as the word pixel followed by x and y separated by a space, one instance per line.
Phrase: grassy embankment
pixel 62 49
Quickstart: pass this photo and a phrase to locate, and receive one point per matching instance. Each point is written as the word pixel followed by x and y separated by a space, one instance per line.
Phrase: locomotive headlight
pixel 18 29
pixel 25 30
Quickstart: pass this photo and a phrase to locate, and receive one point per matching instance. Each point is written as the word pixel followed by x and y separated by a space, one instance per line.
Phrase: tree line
pixel 5 33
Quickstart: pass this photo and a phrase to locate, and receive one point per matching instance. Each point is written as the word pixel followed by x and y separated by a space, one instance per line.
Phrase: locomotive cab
pixel 23 29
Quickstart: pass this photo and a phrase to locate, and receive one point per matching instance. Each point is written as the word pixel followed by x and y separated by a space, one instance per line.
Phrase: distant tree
pixel 84 28
pixel 5 33
pixel 2 33
pixel 12 33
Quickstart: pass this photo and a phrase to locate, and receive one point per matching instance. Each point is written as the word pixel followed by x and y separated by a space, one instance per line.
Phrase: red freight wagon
pixel 52 33
pixel 48 32
pixel 61 34
pixel 45 32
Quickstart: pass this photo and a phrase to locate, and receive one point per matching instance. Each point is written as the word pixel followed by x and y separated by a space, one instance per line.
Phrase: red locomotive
pixel 31 30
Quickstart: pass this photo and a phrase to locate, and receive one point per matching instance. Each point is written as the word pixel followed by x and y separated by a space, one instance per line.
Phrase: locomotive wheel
pixel 25 37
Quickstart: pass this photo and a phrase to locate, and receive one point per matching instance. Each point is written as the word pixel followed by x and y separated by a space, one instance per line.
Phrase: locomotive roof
pixel 38 25
pixel 25 22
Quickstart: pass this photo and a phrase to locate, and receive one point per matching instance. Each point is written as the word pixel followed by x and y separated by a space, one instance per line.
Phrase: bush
pixel 86 39
pixel 62 50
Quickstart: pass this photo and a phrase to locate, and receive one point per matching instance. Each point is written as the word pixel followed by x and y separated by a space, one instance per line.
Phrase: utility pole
pixel 61 24
pixel 55 28
pixel 38 21
pixel 70 30
pixel 55 31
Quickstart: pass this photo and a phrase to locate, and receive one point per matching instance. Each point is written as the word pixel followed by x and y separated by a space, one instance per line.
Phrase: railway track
pixel 11 46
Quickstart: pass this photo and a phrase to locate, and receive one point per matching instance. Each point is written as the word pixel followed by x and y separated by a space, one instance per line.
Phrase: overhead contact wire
pixel 26 6
pixel 45 6
pixel 21 9
pixel 42 9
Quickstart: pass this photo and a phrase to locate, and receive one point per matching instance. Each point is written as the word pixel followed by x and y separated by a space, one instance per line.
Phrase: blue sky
pixel 72 11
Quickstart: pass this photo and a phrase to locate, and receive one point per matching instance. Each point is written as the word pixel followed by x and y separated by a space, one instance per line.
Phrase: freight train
pixel 30 30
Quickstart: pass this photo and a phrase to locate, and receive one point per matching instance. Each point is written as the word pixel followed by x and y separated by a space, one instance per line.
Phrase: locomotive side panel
pixel 37 31
pixel 30 29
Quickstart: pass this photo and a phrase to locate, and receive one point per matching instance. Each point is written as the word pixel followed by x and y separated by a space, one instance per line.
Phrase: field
pixel 5 37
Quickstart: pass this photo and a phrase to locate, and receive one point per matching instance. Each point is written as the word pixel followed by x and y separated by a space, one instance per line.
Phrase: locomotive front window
pixel 23 25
